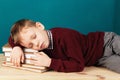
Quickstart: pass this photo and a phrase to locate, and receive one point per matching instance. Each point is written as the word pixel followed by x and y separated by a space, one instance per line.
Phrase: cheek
pixel 39 37
pixel 25 42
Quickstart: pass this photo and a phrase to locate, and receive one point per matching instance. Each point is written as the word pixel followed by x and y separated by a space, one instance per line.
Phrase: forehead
pixel 26 31
pixel 25 35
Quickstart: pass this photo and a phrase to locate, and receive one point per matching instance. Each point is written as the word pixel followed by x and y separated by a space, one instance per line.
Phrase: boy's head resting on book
pixel 30 34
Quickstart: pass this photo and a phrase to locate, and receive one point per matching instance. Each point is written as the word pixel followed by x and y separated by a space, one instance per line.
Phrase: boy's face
pixel 34 37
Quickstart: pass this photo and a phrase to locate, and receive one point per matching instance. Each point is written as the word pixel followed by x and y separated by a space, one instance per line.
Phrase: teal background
pixel 117 17
pixel 82 15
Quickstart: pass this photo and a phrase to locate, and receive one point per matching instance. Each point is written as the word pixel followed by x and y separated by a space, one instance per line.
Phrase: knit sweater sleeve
pixel 73 64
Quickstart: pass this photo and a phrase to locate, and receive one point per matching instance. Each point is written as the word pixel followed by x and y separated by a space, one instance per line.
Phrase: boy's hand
pixel 17 56
pixel 41 59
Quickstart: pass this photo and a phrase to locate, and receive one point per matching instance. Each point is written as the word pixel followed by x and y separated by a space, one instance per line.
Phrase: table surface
pixel 90 73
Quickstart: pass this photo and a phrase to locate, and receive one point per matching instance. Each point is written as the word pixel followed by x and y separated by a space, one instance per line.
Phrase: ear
pixel 40 25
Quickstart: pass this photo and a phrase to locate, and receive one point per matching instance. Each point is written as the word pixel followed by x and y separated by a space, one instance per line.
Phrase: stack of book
pixel 7 49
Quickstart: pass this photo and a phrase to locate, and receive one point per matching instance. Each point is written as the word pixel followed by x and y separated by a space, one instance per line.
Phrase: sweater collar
pixel 50 37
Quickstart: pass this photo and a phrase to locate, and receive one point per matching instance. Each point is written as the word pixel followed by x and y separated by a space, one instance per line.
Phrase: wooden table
pixel 90 73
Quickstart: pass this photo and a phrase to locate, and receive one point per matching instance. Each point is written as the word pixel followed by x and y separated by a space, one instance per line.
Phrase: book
pixel 28 55
pixel 7 47
pixel 27 61
pixel 25 65
pixel 28 68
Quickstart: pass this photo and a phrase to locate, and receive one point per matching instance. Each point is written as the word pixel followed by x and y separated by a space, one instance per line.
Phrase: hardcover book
pixel 7 48
pixel 26 67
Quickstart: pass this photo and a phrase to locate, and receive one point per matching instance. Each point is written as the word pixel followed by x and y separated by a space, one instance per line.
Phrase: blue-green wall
pixel 82 15
pixel 117 17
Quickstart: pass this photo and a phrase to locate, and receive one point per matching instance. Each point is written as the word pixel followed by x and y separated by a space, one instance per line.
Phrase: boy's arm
pixel 71 64
pixel 66 65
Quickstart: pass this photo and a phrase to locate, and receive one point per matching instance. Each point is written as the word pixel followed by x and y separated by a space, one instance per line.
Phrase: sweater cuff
pixel 54 64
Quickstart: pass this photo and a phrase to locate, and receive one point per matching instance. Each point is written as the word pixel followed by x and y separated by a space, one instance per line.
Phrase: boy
pixel 62 49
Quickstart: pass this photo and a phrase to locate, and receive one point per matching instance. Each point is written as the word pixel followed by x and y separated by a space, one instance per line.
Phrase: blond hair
pixel 18 26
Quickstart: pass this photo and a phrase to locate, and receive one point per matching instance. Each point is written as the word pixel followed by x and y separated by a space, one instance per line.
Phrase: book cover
pixel 7 64
pixel 28 55
pixel 26 65
pixel 27 61
pixel 7 47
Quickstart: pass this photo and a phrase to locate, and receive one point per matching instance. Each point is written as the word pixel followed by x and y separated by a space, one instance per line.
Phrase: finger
pixel 42 53
pixel 33 57
pixel 10 59
pixel 35 63
pixel 14 61
pixel 22 58
pixel 37 53
pixel 18 62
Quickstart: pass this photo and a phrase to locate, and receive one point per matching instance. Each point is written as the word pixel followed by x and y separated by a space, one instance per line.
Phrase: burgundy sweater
pixel 72 51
